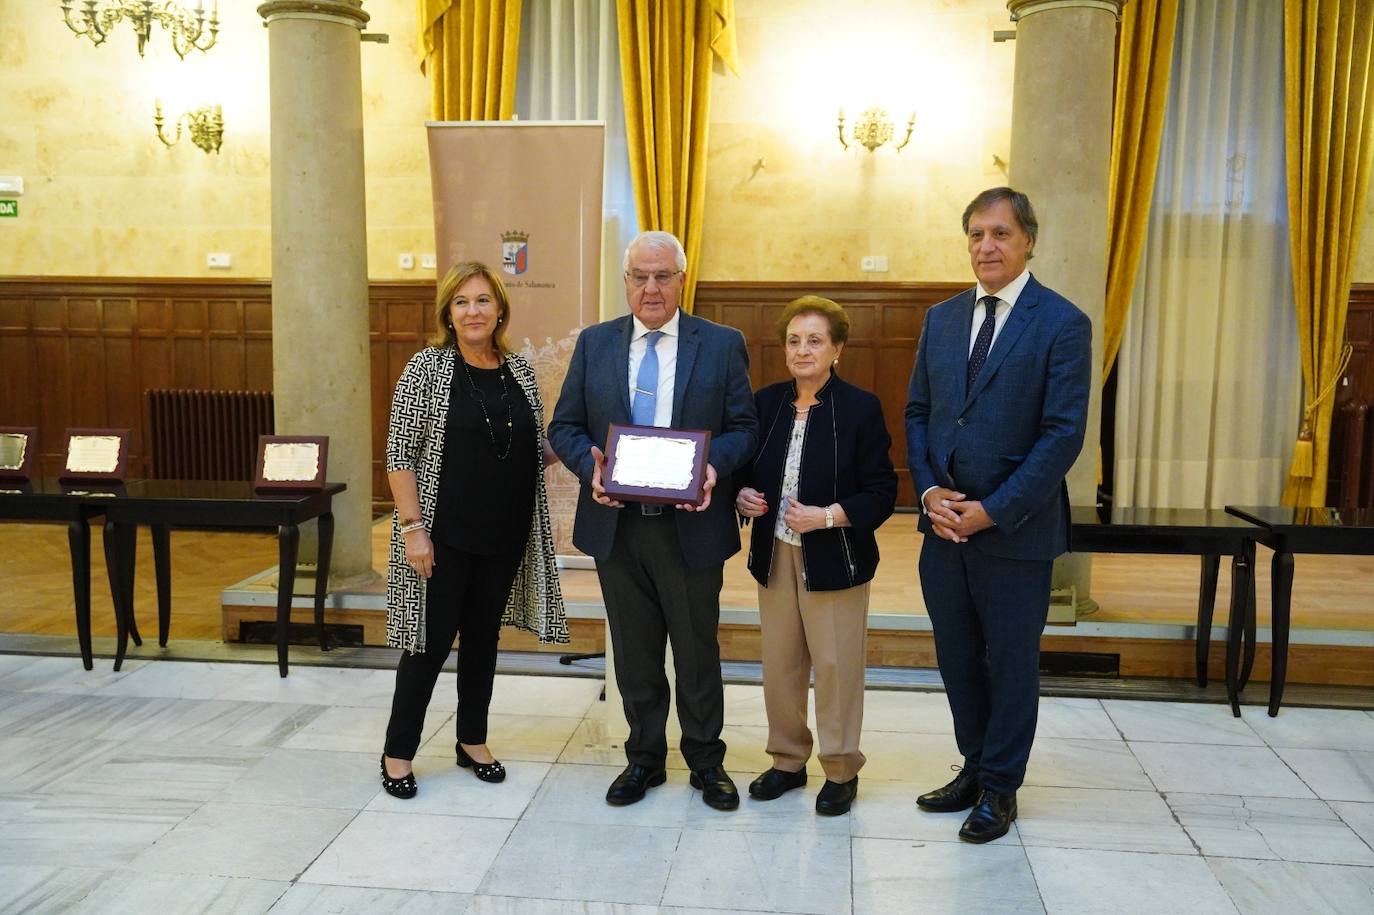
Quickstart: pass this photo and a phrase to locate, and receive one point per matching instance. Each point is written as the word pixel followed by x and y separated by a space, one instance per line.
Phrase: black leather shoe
pixel 774 783
pixel 835 798
pixel 629 786
pixel 403 787
pixel 717 790
pixel 990 819
pixel 960 794
pixel 487 772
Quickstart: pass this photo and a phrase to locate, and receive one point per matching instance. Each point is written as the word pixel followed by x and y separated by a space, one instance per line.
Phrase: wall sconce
pixel 188 28
pixel 874 128
pixel 206 126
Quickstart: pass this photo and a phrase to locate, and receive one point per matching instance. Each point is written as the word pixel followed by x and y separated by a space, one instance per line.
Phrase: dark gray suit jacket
pixel 1010 440
pixel 710 391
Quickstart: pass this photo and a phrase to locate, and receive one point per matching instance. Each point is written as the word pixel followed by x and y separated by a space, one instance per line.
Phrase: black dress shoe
pixel 629 786
pixel 990 819
pixel 487 772
pixel 717 790
pixel 835 798
pixel 775 783
pixel 403 787
pixel 960 794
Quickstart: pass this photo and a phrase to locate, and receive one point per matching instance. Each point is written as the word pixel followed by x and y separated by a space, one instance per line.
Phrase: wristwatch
pixel 829 518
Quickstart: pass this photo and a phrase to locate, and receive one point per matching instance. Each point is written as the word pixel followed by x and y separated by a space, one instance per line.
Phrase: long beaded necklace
pixel 481 399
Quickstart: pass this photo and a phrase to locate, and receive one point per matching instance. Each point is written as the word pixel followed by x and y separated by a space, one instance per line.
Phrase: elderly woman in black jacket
pixel 820 485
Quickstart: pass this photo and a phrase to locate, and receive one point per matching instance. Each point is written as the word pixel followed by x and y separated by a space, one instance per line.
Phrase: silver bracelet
pixel 413 526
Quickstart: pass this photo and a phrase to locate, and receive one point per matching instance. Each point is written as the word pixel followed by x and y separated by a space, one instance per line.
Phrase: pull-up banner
pixel 524 197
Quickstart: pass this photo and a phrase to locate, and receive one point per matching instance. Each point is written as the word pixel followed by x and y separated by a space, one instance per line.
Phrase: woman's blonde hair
pixel 457 275
pixel 833 313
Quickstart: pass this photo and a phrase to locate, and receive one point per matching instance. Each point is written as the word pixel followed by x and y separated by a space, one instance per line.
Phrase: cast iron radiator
pixel 207 435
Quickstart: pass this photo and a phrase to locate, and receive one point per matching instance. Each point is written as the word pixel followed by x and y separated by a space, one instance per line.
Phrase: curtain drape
pixel 666 51
pixel 470 49
pixel 1144 61
pixel 1329 99
pixel 1208 365
pixel 570 71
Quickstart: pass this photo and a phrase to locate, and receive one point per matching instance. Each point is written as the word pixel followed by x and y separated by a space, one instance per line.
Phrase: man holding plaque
pixel 660 566
pixel 994 421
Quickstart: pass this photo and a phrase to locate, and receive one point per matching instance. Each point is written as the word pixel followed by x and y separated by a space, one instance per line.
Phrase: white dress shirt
pixel 667 365
pixel 1006 301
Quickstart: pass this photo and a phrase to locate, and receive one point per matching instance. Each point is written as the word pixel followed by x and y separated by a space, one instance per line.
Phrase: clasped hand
pixel 799 518
pixel 599 491
pixel 954 516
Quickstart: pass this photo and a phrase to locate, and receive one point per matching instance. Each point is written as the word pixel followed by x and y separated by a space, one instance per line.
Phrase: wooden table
pixel 1287 530
pixel 213 505
pixel 73 504
pixel 1208 533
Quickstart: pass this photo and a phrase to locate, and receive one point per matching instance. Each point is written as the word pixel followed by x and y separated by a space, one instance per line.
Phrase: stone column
pixel 321 374
pixel 1061 141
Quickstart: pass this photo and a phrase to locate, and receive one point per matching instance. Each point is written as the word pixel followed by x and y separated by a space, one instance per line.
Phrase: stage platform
pixel 1144 624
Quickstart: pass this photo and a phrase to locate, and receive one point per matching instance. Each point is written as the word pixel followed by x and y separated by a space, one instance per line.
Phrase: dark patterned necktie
pixel 983 343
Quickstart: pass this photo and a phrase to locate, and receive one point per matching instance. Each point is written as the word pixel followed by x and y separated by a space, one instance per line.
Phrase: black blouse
pixel 486 490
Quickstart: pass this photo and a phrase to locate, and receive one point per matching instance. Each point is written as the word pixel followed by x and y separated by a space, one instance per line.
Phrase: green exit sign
pixel 9 207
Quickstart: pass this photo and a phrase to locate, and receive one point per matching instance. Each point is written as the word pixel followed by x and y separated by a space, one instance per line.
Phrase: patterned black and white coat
pixel 415 442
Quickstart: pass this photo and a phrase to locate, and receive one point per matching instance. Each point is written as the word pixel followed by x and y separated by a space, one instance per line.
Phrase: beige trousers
pixel 801 629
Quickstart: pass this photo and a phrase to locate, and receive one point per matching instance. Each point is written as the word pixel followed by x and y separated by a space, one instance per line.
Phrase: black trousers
pixel 652 599
pixel 465 597
pixel 988 613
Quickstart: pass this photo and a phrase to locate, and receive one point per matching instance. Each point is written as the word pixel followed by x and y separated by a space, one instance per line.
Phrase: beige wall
pixel 103 197
pixel 1364 257
pixel 813 210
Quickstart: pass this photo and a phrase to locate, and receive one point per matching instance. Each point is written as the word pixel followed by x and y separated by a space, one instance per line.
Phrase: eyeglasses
pixel 661 278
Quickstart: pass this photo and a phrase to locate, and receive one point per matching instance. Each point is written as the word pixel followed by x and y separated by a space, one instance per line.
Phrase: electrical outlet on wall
pixel 407 261
pixel 873 263
pixel 218 260
pixel 427 261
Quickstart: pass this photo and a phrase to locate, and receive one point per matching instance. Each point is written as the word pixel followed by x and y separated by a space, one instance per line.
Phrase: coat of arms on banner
pixel 515 252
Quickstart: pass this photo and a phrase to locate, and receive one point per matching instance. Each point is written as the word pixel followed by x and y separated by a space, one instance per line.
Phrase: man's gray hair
pixel 660 241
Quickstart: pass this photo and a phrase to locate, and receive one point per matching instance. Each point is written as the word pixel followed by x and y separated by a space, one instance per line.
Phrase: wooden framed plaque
pixel 18 445
pixel 291 462
pixel 656 465
pixel 96 454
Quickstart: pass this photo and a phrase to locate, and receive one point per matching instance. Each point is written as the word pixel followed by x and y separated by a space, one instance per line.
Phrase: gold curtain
pixel 665 67
pixel 470 49
pixel 1144 61
pixel 1329 123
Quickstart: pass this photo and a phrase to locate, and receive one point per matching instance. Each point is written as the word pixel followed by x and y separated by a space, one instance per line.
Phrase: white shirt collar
pixel 1008 293
pixel 669 329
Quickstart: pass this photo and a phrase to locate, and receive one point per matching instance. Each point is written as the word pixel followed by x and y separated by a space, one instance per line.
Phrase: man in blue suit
pixel 660 568
pixel 994 421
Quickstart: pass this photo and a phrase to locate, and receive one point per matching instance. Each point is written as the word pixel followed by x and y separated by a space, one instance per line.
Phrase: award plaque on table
pixel 18 445
pixel 292 463
pixel 656 465
pixel 96 454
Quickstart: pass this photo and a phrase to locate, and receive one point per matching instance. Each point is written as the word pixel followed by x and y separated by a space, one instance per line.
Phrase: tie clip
pixel 645 393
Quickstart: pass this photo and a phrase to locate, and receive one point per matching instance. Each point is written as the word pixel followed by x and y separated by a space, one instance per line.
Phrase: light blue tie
pixel 646 384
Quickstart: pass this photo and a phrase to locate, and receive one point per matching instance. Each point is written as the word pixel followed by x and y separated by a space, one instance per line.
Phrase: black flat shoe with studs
pixel 403 787
pixel 487 772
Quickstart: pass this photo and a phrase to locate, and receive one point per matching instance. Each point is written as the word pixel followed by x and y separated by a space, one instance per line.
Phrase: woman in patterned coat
pixel 471 541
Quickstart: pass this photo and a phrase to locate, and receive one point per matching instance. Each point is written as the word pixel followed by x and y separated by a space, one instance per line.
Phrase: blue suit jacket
pixel 710 391
pixel 1011 440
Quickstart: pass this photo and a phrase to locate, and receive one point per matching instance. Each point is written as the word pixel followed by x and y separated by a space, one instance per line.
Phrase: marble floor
pixel 203 787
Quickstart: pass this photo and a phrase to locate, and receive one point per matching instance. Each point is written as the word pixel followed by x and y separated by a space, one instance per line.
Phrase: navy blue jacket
pixel 845 460
pixel 710 391
pixel 1011 440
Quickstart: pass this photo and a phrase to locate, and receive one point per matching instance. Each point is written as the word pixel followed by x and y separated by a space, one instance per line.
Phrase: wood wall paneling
pixel 1355 485
pixel 81 351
